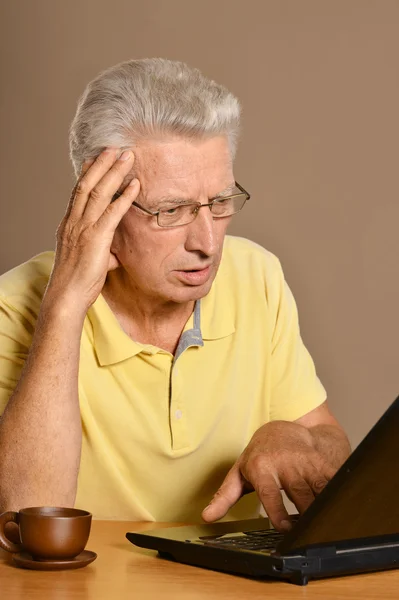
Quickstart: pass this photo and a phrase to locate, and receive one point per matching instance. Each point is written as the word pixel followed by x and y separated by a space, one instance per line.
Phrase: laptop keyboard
pixel 256 541
pixel 262 540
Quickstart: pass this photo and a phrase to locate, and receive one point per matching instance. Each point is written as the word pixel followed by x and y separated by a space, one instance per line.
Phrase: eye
pixel 170 211
pixel 223 200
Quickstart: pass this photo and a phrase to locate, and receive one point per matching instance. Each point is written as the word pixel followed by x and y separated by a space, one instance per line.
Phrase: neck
pixel 145 319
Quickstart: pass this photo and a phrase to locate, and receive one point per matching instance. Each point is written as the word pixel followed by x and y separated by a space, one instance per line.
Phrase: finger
pixel 88 180
pixel 320 476
pixel 327 471
pixel 115 211
pixel 102 193
pixel 270 495
pixel 227 495
pixel 317 484
pixel 86 165
pixel 298 491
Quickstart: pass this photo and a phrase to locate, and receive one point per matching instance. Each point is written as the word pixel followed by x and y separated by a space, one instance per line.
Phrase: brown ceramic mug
pixel 48 533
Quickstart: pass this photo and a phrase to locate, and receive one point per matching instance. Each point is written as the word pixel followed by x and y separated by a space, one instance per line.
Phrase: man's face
pixel 175 264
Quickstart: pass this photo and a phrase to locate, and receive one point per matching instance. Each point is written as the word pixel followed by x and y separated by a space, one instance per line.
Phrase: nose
pixel 201 233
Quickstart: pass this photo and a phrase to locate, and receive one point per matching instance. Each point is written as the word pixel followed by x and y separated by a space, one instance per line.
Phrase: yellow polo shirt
pixel 160 432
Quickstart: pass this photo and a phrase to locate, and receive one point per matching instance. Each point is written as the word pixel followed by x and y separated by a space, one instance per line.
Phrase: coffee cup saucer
pixel 26 561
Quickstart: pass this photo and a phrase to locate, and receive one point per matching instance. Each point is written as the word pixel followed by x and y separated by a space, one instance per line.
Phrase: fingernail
pixel 286 525
pixel 125 155
pixel 133 182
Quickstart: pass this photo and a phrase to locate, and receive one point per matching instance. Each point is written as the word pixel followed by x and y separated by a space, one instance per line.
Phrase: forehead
pixel 176 165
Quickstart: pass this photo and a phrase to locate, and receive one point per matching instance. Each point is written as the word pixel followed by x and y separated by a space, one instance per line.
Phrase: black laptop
pixel 351 527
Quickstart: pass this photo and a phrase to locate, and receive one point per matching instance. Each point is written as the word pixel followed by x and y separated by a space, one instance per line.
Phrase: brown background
pixel 318 80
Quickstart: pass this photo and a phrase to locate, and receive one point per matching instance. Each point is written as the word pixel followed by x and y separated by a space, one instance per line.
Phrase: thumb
pixel 227 495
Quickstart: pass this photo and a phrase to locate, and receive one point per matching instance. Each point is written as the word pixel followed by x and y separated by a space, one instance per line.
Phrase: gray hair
pixel 147 98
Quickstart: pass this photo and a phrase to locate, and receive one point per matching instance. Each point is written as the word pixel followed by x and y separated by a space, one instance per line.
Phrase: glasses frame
pixel 197 204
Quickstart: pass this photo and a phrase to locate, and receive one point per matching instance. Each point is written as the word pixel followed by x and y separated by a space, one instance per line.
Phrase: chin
pixel 191 293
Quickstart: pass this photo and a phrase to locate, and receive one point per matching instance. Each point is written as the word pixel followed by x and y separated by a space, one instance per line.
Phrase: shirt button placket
pixel 178 422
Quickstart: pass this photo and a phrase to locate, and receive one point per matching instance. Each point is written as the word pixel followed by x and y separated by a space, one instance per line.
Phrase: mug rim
pixel 33 511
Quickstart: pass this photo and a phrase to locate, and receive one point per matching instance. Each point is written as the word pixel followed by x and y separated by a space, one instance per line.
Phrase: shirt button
pixel 178 414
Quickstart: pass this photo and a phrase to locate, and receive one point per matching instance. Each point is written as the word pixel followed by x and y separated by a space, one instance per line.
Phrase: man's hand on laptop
pixel 280 456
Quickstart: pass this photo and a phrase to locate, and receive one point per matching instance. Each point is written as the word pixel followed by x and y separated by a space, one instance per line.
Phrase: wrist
pixel 64 306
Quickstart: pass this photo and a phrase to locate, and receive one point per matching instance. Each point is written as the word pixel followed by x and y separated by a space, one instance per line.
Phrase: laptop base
pixel 317 563
pixel 189 545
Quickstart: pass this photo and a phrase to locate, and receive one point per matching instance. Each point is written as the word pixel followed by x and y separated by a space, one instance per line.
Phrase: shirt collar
pixel 215 320
pixel 111 343
pixel 217 308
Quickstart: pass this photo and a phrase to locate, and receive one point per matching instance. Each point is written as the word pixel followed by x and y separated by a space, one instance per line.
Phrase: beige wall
pixel 319 84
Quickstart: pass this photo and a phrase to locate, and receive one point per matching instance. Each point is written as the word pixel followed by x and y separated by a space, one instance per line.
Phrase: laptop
pixel 351 527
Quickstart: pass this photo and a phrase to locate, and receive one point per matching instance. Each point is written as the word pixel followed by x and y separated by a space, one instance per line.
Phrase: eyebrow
pixel 176 200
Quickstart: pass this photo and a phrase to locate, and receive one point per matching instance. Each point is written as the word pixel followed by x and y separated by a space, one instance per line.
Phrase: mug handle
pixel 5 543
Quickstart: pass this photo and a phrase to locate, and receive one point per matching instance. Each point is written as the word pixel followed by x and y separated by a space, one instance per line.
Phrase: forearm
pixel 332 443
pixel 40 431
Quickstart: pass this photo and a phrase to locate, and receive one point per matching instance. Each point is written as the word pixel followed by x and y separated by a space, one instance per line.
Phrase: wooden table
pixel 124 571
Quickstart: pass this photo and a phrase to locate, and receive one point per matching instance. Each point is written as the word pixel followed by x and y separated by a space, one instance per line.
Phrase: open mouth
pixel 195 276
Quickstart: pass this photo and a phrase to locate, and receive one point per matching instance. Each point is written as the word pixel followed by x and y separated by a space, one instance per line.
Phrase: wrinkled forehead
pixel 183 166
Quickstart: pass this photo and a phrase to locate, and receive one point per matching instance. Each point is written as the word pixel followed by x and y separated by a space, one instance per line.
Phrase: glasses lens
pixel 178 215
pixel 228 206
pixel 185 213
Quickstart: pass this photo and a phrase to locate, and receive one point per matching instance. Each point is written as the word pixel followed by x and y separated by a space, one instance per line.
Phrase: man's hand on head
pixel 83 254
pixel 281 455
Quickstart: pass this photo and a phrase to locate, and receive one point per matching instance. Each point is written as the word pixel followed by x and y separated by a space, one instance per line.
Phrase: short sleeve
pixel 16 332
pixel 296 389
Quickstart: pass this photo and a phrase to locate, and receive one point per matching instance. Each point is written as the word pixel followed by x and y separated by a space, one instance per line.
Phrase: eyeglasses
pixel 184 214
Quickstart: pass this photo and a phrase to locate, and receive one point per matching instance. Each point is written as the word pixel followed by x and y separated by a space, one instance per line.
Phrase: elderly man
pixel 152 361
